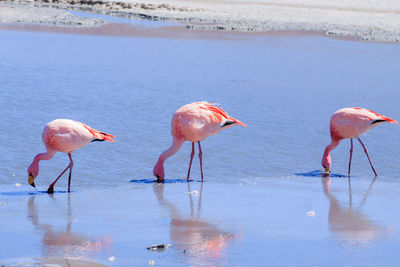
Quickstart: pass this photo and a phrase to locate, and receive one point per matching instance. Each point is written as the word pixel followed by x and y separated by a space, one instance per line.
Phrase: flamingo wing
pixel 98 135
pixel 374 117
pixel 219 114
pixel 68 135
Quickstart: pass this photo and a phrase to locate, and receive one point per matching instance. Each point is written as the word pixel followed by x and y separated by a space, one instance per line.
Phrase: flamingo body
pixel 194 122
pixel 64 135
pixel 197 121
pixel 351 123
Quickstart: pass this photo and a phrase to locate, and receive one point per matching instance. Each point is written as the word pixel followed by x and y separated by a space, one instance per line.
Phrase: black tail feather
pixel 376 121
pixel 227 123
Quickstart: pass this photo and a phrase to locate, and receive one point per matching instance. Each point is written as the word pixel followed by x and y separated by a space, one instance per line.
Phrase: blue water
pixel 253 208
pixel 118 18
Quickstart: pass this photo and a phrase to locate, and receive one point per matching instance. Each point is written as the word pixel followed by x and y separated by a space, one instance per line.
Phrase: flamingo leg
pixel 366 152
pixel 50 190
pixel 351 154
pixel 70 171
pixel 191 159
pixel 201 160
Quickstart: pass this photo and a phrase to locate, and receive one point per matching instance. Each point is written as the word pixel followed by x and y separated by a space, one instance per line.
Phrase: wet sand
pixel 129 30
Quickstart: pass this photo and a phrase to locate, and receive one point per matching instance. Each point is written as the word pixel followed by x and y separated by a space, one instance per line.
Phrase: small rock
pixel 17 184
pixel 311 213
pixel 194 193
pixel 112 258
pixel 152 262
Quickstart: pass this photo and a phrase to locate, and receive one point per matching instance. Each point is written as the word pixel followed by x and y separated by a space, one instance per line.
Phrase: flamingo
pixel 66 136
pixel 194 122
pixel 351 123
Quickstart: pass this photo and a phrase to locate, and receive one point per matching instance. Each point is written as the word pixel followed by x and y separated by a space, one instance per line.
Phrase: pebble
pixel 193 193
pixel 112 258
pixel 311 213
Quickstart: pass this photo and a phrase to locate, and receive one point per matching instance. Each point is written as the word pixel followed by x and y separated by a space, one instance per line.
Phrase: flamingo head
pixel 326 158
pixel 327 170
pixel 158 171
pixel 33 172
pixel 326 163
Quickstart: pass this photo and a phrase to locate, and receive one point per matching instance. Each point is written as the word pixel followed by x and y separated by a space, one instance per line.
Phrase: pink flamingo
pixel 194 122
pixel 351 123
pixel 65 136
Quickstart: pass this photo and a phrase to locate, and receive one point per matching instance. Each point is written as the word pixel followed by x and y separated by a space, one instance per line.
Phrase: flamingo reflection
pixel 202 242
pixel 63 247
pixel 348 223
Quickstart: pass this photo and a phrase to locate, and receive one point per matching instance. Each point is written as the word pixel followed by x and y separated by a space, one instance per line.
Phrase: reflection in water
pixel 203 243
pixel 347 222
pixel 64 244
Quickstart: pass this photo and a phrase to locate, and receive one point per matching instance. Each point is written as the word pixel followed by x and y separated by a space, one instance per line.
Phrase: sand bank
pixel 29 13
pixel 365 20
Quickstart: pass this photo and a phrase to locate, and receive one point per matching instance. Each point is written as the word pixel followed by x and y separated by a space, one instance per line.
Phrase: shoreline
pixel 176 32
pixel 198 19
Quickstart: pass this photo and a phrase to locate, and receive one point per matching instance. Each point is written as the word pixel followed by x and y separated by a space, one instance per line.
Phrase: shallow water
pixel 253 209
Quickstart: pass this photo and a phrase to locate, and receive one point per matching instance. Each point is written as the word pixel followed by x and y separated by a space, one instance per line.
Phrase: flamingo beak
pixel 31 180
pixel 327 170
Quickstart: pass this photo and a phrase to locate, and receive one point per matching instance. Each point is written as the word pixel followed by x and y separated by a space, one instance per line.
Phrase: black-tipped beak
pixel 160 179
pixel 31 180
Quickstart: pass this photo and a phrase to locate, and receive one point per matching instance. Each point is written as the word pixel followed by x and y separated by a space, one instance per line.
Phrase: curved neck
pixel 326 158
pixel 42 156
pixel 175 146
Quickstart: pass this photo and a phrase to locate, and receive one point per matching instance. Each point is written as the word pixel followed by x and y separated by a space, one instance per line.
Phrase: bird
pixel 64 135
pixel 351 123
pixel 194 122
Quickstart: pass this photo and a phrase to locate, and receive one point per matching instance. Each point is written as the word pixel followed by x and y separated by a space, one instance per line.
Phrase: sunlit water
pixel 252 209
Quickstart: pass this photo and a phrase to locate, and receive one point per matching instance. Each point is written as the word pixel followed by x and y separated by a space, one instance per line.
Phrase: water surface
pixel 252 208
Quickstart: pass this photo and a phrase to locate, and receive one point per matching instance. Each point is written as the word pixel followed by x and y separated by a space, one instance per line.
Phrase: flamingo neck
pixel 158 170
pixel 41 156
pixel 175 146
pixel 44 156
pixel 326 158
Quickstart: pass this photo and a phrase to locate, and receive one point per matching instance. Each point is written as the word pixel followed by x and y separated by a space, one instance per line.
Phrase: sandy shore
pixel 29 13
pixel 365 20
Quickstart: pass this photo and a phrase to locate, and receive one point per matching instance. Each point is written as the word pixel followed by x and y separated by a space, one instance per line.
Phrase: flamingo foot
pixel 50 190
